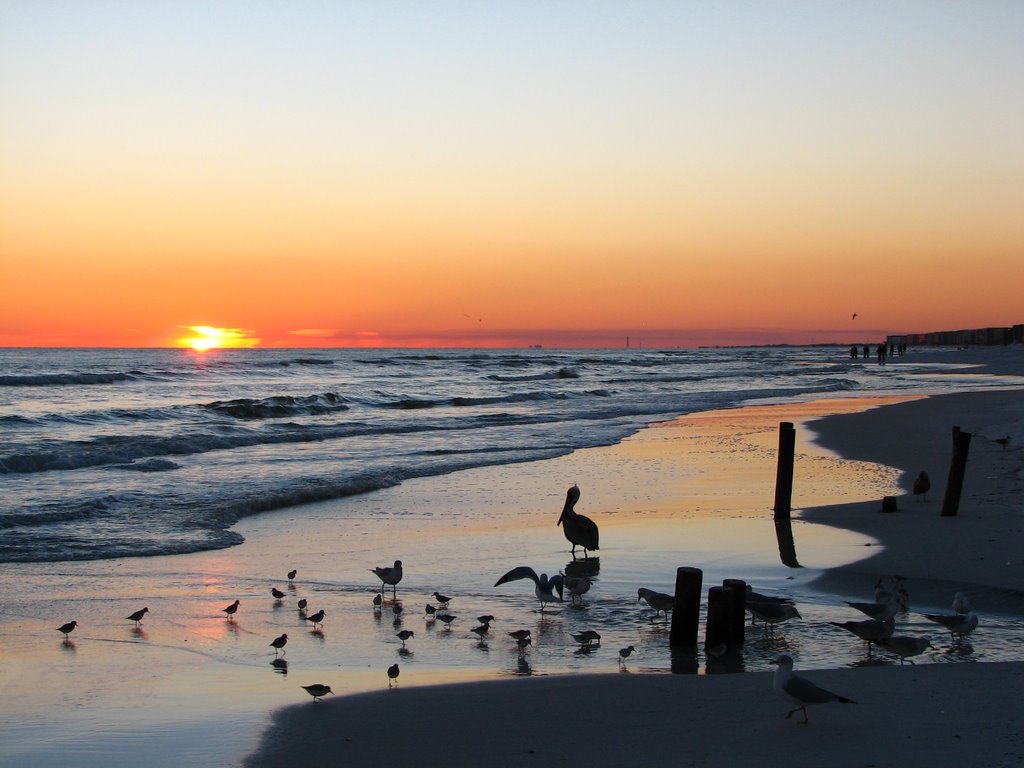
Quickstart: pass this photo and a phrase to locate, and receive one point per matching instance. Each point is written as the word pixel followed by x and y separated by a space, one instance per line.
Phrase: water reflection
pixel 787 546
pixel 280 666
pixel 139 632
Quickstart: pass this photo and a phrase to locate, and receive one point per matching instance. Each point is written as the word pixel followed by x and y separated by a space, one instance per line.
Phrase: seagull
pixel 277 593
pixel 278 643
pixel 393 672
pixel 390 576
pixel 1003 441
pixel 624 653
pixel 757 597
pixel 659 601
pixel 799 689
pixel 404 635
pixel 446 619
pixel 906 646
pixel 900 595
pixel 868 630
pixel 137 616
pixel 442 599
pixel 959 624
pixel 318 690
pixel 961 603
pixel 578 529
pixel 317 618
pixel 292 574
pixel 68 628
pixel 879 611
pixel 922 484
pixel 231 610
pixel 578 586
pixel 773 613
pixel 545 588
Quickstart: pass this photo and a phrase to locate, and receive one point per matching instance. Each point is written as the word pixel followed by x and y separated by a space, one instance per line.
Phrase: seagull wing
pixel 557 582
pixel 522 572
pixel 803 690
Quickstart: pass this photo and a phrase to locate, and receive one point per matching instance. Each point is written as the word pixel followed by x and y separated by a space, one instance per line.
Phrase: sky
pixel 508 173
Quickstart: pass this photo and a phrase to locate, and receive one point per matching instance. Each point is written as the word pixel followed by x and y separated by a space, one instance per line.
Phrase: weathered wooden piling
pixel 957 467
pixel 738 634
pixel 718 632
pixel 784 470
pixel 686 614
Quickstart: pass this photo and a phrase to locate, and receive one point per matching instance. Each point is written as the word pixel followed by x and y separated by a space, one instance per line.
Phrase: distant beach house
pixel 963 338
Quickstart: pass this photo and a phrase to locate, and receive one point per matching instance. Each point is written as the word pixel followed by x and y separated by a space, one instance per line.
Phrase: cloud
pixel 318 333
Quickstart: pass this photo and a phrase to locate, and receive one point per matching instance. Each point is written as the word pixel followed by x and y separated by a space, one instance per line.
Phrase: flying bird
pixel 137 616
pixel 278 643
pixel 544 588
pixel 389 576
pixel 799 689
pixel 318 690
pixel 922 484
pixel 581 531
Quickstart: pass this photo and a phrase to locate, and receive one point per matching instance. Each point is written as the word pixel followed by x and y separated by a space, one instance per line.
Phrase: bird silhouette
pixel 278 643
pixel 544 587
pixel 137 616
pixel 389 576
pixel 800 690
pixel 231 610
pixel 393 672
pixel 922 484
pixel 318 690
pixel 68 628
pixel 580 531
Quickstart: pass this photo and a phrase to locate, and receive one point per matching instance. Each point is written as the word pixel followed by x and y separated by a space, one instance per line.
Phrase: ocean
pixel 110 453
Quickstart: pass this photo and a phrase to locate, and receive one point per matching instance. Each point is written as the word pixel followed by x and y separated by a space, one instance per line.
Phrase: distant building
pixel 981 337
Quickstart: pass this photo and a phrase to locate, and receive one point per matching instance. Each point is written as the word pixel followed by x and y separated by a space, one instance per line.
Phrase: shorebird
pixel 393 672
pixel 430 611
pixel 278 643
pixel 519 634
pixel 545 588
pixel 959 624
pixel 799 689
pixel 961 603
pixel 446 619
pixel 389 576
pixel 773 613
pixel 404 635
pixel 68 628
pixel 922 484
pixel 868 630
pixel 302 605
pixel 485 619
pixel 378 601
pixel 879 611
pixel 318 690
pixel 231 610
pixel 397 610
pixel 906 646
pixel 580 531
pixel 317 618
pixel 587 637
pixel 625 653
pixel 577 587
pixel 522 643
pixel 1003 441
pixel 442 599
pixel 277 593
pixel 292 574
pixel 896 594
pixel 137 616
pixel 481 631
pixel 659 601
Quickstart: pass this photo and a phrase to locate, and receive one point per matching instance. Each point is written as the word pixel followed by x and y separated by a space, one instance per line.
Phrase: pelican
pixel 799 689
pixel 659 601
pixel 906 646
pixel 868 630
pixel 922 484
pixel 137 616
pixel 959 625
pixel 545 589
pixel 318 690
pixel 390 576
pixel 278 643
pixel 579 530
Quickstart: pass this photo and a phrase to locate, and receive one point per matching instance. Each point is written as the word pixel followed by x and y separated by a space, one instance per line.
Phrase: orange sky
pixel 352 176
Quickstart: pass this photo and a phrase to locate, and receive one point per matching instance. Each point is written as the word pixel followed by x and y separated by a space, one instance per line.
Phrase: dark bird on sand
pixel 137 616
pixel 922 484
pixel 659 601
pixel 1003 441
pixel 442 599
pixel 868 630
pixel 959 625
pixel 404 635
pixel 317 618
pixel 231 610
pixel 519 634
pixel 389 576
pixel 277 593
pixel 318 690
pixel 302 604
pixel 625 653
pixel 292 574
pixel 799 689
pixel 278 643
pixel 581 531
pixel 68 628
pixel 393 672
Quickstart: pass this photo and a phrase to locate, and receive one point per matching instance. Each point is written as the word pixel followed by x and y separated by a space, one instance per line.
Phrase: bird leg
pixel 798 709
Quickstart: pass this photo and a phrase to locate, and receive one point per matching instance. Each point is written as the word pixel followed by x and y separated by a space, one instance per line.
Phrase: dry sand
pixel 946 714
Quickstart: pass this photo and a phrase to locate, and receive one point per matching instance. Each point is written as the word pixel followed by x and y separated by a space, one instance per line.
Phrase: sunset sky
pixel 508 173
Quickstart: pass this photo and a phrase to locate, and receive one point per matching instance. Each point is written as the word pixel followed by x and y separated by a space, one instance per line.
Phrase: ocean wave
pixel 68 379
pixel 561 373
pixel 149 465
pixel 279 406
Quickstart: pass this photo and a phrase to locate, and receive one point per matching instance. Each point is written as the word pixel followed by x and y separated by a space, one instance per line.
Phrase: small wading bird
pixel 393 673
pixel 906 646
pixel 446 619
pixel 659 601
pixel 959 625
pixel 799 689
pixel 772 614
pixel 318 690
pixel 67 629
pixel 389 576
pixel 231 610
pixel 404 635
pixel 587 637
pixel 481 631
pixel 137 616
pixel 291 575
pixel 442 599
pixel 522 643
pixel 278 643
pixel 625 653
pixel 879 611
pixel 922 484
pixel 378 601
pixel 302 605
pixel 317 618
pixel 545 588
pixel 277 593
pixel 519 634
pixel 581 531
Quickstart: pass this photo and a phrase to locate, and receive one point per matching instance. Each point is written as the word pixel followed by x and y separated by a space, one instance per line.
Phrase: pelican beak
pixel 560 518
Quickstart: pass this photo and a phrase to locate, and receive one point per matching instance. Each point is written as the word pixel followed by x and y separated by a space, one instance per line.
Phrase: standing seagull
pixel 579 530
pixel 959 625
pixel 906 646
pixel 68 628
pixel 799 689
pixel 389 576
pixel 231 610
pixel 659 601
pixel 961 603
pixel 922 484
pixel 137 616
pixel 545 588
pixel 278 643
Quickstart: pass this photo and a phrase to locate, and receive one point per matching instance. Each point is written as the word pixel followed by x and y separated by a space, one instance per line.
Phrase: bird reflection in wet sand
pixel 580 530
pixel 280 665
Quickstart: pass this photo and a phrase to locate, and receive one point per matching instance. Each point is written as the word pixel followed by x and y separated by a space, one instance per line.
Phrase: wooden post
pixel 686 614
pixel 738 635
pixel 718 631
pixel 957 467
pixel 784 471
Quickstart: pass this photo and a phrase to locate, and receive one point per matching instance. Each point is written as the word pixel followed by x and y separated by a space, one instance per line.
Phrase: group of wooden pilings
pixel 726 616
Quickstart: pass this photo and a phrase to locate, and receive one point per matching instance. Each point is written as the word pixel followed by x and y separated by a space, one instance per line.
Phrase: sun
pixel 207 337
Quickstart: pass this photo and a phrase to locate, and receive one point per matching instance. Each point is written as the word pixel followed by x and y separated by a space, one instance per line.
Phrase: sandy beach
pixel 933 713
